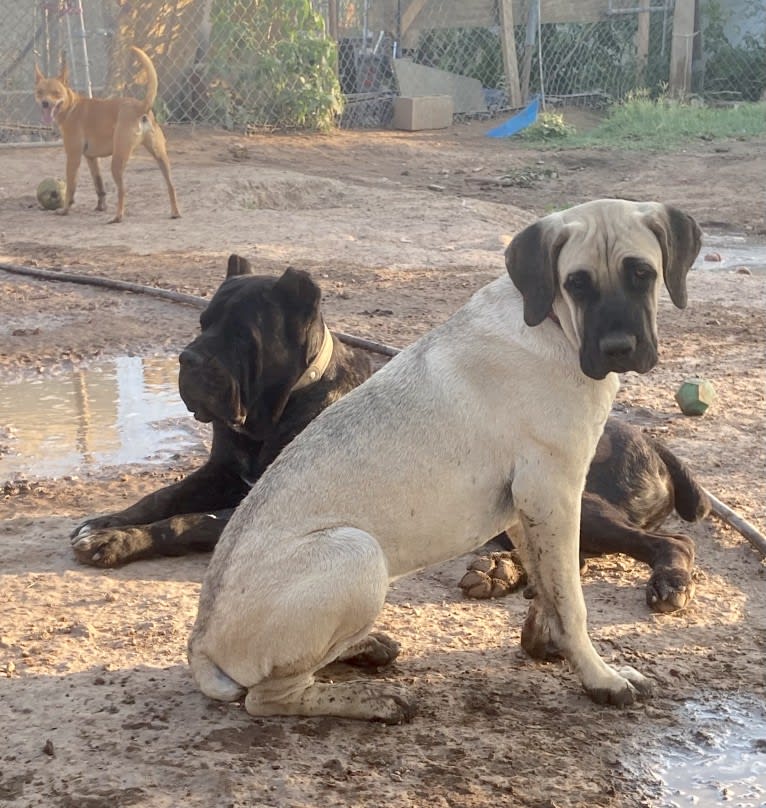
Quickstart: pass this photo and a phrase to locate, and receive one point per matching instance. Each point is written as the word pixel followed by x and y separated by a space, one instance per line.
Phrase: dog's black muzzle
pixel 618 337
pixel 207 389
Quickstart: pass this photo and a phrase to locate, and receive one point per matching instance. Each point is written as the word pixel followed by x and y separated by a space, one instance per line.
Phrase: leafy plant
pixel 548 126
pixel 271 64
pixel 642 122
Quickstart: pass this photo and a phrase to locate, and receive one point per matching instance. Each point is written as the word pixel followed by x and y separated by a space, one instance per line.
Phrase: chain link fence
pixel 242 64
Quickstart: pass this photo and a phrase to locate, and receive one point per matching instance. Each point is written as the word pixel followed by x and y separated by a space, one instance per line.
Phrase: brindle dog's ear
pixel 299 297
pixel 39 75
pixel 680 240
pixel 532 262
pixel 238 266
pixel 298 288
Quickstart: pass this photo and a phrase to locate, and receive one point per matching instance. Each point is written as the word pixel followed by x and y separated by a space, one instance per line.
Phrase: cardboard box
pixel 423 112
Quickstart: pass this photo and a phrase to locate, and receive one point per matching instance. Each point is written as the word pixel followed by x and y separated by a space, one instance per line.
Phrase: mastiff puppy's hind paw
pixel 375 652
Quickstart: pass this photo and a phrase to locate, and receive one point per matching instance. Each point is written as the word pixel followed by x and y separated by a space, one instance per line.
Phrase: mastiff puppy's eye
pixel 639 274
pixel 579 284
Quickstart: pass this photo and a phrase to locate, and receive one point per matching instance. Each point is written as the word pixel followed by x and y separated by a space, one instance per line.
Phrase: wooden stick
pixel 742 526
pixel 723 512
pixel 367 344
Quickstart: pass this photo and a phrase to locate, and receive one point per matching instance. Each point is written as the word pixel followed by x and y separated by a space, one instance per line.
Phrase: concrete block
pixel 423 112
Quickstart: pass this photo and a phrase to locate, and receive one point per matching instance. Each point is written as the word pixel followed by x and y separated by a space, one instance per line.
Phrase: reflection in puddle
pixel 720 759
pixel 126 410
pixel 735 252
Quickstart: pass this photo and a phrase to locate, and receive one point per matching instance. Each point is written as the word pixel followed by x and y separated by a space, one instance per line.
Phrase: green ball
pixel 51 193
pixel 694 396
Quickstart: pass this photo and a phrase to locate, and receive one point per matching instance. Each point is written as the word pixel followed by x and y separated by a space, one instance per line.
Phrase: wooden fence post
pixel 642 41
pixel 508 44
pixel 682 50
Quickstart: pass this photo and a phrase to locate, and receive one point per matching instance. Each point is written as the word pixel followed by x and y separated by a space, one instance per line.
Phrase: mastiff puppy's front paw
pixel 624 687
pixel 109 547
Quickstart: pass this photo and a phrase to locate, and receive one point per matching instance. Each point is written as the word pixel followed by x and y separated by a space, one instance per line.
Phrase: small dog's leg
pixel 118 174
pixel 73 159
pixel 557 616
pixel 154 142
pixel 98 182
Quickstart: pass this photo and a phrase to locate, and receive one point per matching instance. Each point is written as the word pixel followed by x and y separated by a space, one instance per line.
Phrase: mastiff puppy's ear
pixel 680 240
pixel 238 266
pixel 532 262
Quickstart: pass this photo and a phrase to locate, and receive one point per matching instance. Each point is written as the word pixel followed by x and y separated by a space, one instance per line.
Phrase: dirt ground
pixel 96 701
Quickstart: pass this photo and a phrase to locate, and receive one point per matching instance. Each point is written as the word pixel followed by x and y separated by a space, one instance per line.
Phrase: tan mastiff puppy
pixel 488 421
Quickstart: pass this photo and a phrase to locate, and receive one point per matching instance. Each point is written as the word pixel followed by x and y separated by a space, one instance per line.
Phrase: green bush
pixel 271 64
pixel 548 126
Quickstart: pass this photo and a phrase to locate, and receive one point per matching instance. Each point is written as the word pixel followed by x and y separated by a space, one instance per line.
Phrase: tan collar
pixel 316 369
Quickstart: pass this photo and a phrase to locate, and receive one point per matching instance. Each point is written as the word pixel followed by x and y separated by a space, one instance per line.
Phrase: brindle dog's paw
pixel 109 547
pixel 669 589
pixel 91 525
pixel 493 576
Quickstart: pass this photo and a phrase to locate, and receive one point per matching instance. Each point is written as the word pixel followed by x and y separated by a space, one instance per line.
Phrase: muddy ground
pixel 96 702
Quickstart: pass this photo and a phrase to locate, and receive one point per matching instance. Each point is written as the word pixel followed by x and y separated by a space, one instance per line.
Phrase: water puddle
pixel 718 758
pixel 121 411
pixel 735 251
pixel 127 410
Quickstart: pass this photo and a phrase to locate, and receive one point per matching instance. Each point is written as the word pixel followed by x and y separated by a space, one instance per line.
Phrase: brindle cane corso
pixel 263 366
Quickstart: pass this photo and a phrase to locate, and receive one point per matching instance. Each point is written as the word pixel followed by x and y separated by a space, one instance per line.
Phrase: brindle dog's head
pixel 597 268
pixel 258 335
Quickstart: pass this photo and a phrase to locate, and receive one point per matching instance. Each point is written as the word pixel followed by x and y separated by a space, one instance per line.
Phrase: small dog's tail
pixel 691 501
pixel 211 680
pixel 152 84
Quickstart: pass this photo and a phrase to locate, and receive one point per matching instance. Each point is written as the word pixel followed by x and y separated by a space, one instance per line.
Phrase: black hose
pixel 167 294
pixel 722 511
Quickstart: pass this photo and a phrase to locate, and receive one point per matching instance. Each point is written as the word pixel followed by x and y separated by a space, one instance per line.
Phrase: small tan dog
pixel 100 127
